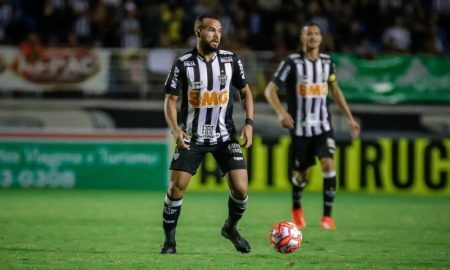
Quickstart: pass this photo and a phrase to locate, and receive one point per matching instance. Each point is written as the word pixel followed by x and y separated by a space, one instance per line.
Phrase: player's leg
pixel 179 181
pixel 184 164
pixel 302 158
pixel 329 192
pixel 326 153
pixel 231 161
pixel 237 204
pixel 237 201
pixel 299 182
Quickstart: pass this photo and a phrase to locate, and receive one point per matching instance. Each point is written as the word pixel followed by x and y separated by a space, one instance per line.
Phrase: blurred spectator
pixel 397 38
pixel 152 25
pixel 172 15
pixel 56 18
pixel 365 50
pixel 130 28
pixel 72 40
pixel 82 24
pixel 6 17
pixel 32 48
pixel 354 26
pixel 433 44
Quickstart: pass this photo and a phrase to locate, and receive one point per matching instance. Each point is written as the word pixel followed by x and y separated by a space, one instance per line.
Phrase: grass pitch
pixel 80 229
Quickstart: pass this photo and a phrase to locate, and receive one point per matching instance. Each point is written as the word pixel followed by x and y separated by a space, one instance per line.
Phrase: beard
pixel 206 47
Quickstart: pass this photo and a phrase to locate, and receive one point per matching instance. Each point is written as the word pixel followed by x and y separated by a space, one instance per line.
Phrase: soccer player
pixel 203 78
pixel 308 76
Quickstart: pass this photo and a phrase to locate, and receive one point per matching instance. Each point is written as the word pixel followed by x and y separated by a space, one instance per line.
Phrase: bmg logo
pixel 208 98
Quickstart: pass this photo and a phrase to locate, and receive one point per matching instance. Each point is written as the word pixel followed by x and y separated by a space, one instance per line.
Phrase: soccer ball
pixel 285 237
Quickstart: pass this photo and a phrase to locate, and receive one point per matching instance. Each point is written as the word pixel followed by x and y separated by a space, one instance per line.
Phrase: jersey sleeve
pixel 238 79
pixel 174 79
pixel 332 76
pixel 284 69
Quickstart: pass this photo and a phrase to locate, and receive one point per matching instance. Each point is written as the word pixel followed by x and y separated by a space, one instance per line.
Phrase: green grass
pixel 57 229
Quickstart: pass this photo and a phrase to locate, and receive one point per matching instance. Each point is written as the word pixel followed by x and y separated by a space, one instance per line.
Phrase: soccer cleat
pixel 298 218
pixel 327 223
pixel 232 234
pixel 168 248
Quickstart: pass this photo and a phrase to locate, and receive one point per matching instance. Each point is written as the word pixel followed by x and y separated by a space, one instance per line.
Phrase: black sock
pixel 329 192
pixel 236 208
pixel 297 192
pixel 171 213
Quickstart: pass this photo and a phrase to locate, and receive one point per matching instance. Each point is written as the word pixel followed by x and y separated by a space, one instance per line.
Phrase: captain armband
pixel 332 78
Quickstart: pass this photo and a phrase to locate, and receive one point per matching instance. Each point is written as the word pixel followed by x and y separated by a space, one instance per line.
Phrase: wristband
pixel 249 121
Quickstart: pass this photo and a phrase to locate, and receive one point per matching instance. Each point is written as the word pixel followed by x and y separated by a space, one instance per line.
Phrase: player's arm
pixel 172 88
pixel 170 112
pixel 271 94
pixel 339 99
pixel 239 81
pixel 247 130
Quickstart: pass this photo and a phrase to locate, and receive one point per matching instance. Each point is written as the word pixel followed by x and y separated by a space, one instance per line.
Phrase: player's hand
pixel 247 134
pixel 356 129
pixel 179 136
pixel 286 120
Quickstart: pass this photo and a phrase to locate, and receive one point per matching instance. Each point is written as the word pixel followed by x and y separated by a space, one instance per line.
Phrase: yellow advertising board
pixel 390 165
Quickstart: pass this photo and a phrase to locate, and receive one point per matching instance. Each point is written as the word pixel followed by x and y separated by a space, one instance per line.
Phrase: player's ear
pixel 197 32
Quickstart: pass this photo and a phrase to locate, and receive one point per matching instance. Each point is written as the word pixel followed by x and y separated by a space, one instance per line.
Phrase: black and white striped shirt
pixel 306 84
pixel 207 100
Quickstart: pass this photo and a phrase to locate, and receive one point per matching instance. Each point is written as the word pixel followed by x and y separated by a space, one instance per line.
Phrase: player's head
pixel 310 36
pixel 208 30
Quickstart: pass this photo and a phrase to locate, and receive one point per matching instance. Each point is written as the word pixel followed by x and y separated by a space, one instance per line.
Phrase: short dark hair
pixel 200 18
pixel 308 24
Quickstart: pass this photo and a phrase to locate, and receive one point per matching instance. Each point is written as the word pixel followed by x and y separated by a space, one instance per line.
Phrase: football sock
pixel 329 192
pixel 236 208
pixel 297 192
pixel 171 212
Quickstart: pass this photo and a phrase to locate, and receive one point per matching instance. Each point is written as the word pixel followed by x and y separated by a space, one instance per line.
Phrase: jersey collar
pixel 201 57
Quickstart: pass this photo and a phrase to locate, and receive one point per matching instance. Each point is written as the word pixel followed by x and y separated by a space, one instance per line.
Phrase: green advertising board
pixel 106 160
pixel 394 79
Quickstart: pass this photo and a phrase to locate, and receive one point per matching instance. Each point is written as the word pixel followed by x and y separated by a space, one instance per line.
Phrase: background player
pixel 307 77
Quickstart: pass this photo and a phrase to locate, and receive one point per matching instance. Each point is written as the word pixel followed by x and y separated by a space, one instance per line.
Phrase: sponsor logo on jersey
pixel 303 79
pixel 208 98
pixel 196 85
pixel 234 148
pixel 312 90
pixel 208 132
pixel 176 155
pixel 189 63
pixel 176 74
pixel 226 59
pixel 241 69
pixel 331 145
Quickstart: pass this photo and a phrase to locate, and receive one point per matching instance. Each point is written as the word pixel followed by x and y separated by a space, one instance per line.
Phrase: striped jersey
pixel 306 84
pixel 206 100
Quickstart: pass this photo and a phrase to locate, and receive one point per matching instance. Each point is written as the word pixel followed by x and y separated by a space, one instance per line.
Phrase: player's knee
pixel 176 191
pixel 240 194
pixel 327 164
pixel 299 182
pixel 301 176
